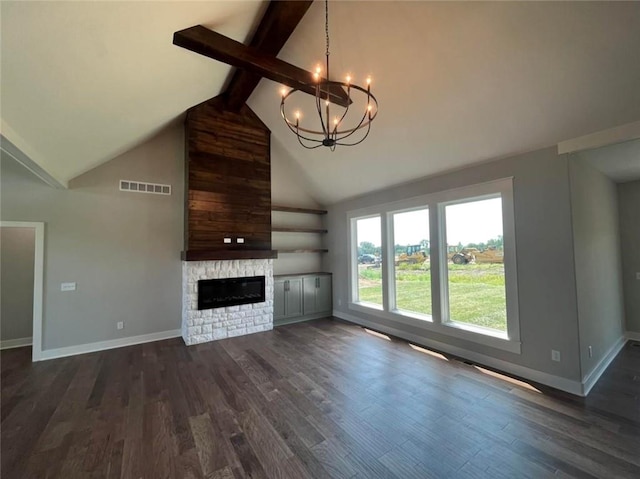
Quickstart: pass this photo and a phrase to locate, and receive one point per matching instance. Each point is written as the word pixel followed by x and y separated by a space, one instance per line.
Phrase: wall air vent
pixel 140 187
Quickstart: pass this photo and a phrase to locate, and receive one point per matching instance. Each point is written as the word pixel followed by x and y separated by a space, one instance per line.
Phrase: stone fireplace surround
pixel 199 326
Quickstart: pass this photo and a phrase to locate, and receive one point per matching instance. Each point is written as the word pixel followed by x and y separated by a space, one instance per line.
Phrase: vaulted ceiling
pixel 458 83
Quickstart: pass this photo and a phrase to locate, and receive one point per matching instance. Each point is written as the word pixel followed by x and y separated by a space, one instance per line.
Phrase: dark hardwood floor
pixel 312 400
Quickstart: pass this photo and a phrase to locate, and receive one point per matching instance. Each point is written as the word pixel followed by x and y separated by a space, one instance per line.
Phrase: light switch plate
pixel 67 286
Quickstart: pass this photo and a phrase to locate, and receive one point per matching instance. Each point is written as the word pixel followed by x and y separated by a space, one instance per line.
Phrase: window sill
pixel 481 336
pixel 370 308
pixel 484 336
pixel 494 333
pixel 411 315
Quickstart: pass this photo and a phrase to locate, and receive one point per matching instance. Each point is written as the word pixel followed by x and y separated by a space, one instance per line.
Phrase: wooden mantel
pixel 216 255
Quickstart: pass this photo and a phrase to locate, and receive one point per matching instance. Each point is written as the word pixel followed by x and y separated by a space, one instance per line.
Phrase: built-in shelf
pixel 297 229
pixel 284 229
pixel 303 251
pixel 292 209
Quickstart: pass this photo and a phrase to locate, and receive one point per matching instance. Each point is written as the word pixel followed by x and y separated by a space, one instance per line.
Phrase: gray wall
pixel 122 249
pixel 629 207
pixel 594 205
pixel 546 276
pixel 17 254
pixel 290 187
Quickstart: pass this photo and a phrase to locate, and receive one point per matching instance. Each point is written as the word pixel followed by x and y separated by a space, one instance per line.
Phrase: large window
pixel 475 286
pixel 412 262
pixel 449 263
pixel 369 260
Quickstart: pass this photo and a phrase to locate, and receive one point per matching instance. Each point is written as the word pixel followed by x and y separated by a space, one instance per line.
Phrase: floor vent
pixel 140 187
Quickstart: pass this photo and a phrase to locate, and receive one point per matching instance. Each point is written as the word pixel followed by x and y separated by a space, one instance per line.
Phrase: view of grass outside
pixel 413 291
pixel 368 232
pixel 476 281
pixel 370 284
pixel 476 292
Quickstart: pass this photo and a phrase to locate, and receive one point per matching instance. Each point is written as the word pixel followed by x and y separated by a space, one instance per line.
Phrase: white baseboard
pixel 111 344
pixel 592 378
pixel 557 382
pixel 632 335
pixel 15 343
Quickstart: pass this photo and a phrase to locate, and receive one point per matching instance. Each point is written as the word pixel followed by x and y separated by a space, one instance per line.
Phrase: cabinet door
pixel 279 301
pixel 309 286
pixel 323 294
pixel 294 298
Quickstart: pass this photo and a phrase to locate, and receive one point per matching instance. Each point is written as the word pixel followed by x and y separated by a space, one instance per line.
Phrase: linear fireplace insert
pixel 218 293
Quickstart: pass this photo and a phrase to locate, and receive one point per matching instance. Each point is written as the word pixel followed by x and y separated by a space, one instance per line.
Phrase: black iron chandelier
pixel 341 129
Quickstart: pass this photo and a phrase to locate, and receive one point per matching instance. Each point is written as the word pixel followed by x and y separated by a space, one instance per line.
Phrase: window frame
pixel 436 202
pixel 393 306
pixel 353 259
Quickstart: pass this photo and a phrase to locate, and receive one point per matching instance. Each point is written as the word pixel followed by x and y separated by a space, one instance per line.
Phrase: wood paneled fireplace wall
pixel 228 184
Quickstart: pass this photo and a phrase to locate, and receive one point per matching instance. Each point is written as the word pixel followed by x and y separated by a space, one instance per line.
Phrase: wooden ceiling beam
pixel 277 24
pixel 206 42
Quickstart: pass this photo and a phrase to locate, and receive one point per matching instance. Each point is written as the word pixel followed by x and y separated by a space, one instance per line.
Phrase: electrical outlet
pixel 67 286
pixel 590 352
pixel 120 325
pixel 638 276
pixel 555 355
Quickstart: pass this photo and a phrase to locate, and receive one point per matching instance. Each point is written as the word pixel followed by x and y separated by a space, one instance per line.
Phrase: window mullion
pixel 388 297
pixel 438 263
pixel 353 261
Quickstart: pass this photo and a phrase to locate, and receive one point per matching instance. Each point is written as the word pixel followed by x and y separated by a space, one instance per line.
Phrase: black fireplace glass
pixel 218 293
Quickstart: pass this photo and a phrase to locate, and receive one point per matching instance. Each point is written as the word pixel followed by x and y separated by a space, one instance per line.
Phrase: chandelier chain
pixel 326 32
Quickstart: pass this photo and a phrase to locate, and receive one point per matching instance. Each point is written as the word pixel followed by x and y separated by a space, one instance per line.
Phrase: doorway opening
pixel 22 276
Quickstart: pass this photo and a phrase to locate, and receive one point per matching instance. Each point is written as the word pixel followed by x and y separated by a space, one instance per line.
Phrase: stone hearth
pixel 199 326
